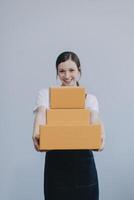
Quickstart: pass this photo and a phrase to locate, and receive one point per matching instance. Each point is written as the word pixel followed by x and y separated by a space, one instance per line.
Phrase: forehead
pixel 67 65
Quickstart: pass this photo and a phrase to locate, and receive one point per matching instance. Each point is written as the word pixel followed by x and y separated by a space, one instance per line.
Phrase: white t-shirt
pixel 91 101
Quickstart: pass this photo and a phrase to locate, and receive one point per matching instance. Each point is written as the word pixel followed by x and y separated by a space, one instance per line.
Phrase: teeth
pixel 68 80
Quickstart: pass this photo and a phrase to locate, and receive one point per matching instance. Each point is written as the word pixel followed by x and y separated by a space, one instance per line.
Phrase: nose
pixel 67 75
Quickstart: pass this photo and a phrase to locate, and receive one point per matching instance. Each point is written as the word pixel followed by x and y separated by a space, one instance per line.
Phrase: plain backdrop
pixel 32 35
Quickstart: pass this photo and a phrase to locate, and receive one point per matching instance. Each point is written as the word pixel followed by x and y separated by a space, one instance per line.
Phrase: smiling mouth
pixel 67 81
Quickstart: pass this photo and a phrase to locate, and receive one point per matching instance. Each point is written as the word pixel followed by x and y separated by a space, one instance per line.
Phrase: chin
pixel 71 84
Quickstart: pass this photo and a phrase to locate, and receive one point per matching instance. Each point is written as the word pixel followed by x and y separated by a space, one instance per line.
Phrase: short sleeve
pixel 42 99
pixel 92 102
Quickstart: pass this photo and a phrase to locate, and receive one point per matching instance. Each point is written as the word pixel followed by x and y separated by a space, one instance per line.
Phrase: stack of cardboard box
pixel 68 121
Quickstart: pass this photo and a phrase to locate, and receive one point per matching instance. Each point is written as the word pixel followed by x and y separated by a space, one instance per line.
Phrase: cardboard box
pixel 67 97
pixel 70 137
pixel 68 116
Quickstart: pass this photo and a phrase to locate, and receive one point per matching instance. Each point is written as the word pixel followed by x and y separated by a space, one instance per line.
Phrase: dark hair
pixel 64 56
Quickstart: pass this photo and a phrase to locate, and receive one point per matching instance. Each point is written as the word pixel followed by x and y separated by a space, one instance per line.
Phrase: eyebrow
pixel 65 69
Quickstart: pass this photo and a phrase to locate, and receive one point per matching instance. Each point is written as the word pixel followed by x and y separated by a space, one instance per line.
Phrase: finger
pixel 36 141
pixel 36 147
pixel 36 144
pixel 35 138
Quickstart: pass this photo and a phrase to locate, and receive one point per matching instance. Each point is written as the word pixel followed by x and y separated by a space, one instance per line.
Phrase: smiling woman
pixel 68 73
pixel 68 69
pixel 68 174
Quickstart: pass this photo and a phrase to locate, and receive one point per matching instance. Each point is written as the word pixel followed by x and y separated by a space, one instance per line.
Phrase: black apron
pixel 70 175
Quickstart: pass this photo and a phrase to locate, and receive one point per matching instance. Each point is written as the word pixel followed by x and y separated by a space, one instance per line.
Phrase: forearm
pixel 94 118
pixel 40 119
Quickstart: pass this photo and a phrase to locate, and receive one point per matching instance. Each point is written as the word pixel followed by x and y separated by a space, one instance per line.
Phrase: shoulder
pixel 92 102
pixel 43 95
pixel 42 98
pixel 43 91
pixel 91 97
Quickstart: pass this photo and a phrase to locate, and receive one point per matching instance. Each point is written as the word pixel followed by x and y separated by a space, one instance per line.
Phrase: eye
pixel 71 70
pixel 61 71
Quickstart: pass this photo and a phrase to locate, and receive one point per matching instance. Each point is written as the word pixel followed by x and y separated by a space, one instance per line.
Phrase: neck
pixel 69 85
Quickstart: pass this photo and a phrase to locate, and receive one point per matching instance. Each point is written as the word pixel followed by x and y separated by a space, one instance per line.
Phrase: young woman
pixel 68 174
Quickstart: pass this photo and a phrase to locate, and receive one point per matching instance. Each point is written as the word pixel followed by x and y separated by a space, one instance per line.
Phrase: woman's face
pixel 68 73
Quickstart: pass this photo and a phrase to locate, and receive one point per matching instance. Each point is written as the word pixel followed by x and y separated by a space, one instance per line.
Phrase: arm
pixel 96 119
pixel 40 119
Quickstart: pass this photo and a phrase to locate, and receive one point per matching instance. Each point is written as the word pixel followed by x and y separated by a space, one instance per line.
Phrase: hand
pixel 102 140
pixel 102 145
pixel 36 142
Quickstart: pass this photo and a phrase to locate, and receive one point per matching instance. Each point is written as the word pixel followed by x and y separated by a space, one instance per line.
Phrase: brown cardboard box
pixel 67 97
pixel 68 116
pixel 70 137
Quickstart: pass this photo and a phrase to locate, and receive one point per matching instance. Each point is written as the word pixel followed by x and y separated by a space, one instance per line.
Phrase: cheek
pixel 75 75
pixel 61 75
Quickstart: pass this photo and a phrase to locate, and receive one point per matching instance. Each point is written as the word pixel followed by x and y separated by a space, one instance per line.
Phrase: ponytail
pixel 77 83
